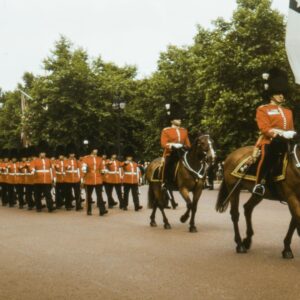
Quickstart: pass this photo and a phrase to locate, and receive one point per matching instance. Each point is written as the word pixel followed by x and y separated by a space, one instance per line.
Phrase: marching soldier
pixel 12 169
pixel 131 179
pixel 114 178
pixel 172 138
pixel 60 172
pixel 20 178
pixel 4 176
pixel 276 125
pixel 28 178
pixel 92 169
pixel 44 177
pixel 72 177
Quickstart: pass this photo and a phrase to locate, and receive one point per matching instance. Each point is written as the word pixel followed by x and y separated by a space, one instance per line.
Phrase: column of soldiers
pixel 29 175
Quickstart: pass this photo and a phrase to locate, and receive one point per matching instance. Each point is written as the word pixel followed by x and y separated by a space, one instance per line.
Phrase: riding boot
pixel 262 172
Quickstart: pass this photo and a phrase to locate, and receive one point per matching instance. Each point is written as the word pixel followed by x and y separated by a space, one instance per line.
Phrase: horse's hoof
pixel 184 218
pixel 167 226
pixel 247 243
pixel 193 229
pixel 241 249
pixel 153 224
pixel 287 254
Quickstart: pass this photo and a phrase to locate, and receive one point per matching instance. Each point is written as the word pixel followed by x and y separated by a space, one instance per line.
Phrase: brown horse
pixel 288 190
pixel 191 172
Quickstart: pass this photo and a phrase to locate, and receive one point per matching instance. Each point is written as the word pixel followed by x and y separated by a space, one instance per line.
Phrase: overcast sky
pixel 122 31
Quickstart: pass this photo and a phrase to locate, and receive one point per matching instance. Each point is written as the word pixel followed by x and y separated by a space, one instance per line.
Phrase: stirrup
pixel 259 190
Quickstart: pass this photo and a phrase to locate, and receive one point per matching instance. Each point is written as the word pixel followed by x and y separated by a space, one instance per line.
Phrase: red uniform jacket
pixel 43 171
pixel 92 169
pixel 272 116
pixel 132 172
pixel 3 171
pixel 28 176
pixel 174 135
pixel 12 177
pixel 73 170
pixel 60 170
pixel 114 174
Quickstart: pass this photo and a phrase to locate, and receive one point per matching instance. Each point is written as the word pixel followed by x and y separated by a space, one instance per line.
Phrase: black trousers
pixel 269 154
pixel 109 191
pixel 100 202
pixel 11 193
pixel 20 190
pixel 29 191
pixel 60 194
pixel 135 194
pixel 43 190
pixel 4 193
pixel 71 188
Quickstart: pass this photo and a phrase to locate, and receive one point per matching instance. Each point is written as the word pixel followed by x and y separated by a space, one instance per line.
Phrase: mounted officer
pixel 276 126
pixel 172 139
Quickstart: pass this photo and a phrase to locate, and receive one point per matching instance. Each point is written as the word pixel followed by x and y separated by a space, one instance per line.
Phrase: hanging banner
pixel 292 40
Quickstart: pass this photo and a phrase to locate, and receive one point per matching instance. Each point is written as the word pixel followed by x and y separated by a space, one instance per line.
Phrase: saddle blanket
pixel 279 169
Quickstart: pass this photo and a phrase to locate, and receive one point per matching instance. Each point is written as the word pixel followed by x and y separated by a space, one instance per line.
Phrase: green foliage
pixel 217 80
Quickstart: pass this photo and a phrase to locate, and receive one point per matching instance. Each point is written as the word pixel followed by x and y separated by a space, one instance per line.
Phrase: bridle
pixel 200 174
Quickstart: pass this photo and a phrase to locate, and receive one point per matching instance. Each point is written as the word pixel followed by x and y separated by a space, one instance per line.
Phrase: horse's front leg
pixel 161 205
pixel 235 215
pixel 185 194
pixel 248 209
pixel 196 196
pixel 287 252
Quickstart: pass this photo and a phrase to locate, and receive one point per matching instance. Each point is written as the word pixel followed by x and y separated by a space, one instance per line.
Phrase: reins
pixel 199 174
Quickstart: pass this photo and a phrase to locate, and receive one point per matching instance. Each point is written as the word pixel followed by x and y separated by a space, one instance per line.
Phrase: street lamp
pixel 118 105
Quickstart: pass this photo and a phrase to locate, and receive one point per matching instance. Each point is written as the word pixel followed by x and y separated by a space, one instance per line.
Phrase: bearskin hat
pixel 128 151
pixel 275 82
pixel 60 150
pixel 71 149
pixel 175 112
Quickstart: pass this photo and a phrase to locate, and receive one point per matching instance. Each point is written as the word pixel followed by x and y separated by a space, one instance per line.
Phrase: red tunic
pixel 43 171
pixel 12 177
pixel 60 170
pixel 132 172
pixel 73 170
pixel 272 116
pixel 173 135
pixel 92 168
pixel 114 172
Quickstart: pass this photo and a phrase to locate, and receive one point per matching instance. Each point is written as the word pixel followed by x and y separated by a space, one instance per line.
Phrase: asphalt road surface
pixel 68 255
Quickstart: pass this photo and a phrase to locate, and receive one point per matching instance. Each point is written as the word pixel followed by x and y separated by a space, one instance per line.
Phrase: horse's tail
pixel 222 201
pixel 151 196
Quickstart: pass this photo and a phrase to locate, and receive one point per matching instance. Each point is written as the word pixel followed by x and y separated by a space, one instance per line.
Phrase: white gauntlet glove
pixel 289 134
pixel 177 145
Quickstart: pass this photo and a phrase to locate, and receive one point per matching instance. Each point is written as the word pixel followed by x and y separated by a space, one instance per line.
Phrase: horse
pixel 190 177
pixel 287 190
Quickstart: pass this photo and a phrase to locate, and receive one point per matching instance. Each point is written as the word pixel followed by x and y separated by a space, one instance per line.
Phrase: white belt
pixel 60 173
pixel 130 173
pixel 42 171
pixel 71 171
pixel 113 172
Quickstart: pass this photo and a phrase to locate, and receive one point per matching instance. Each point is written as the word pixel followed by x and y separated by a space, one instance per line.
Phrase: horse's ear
pixel 199 133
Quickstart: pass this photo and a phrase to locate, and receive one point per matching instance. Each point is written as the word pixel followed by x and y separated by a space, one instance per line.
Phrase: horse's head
pixel 203 146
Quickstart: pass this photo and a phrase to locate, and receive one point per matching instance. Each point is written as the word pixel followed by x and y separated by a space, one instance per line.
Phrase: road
pixel 68 255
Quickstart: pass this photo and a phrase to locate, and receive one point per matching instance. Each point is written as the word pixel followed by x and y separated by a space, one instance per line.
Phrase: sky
pixel 122 31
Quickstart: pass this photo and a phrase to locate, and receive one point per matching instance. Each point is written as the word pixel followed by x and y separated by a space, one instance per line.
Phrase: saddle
pixel 158 172
pixel 278 171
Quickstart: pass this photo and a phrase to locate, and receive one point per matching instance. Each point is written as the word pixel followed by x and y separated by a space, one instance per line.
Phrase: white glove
pixel 177 145
pixel 84 168
pixel 289 134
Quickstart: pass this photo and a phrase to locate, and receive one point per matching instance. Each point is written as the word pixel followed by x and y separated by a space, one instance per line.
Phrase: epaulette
pixel 167 128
